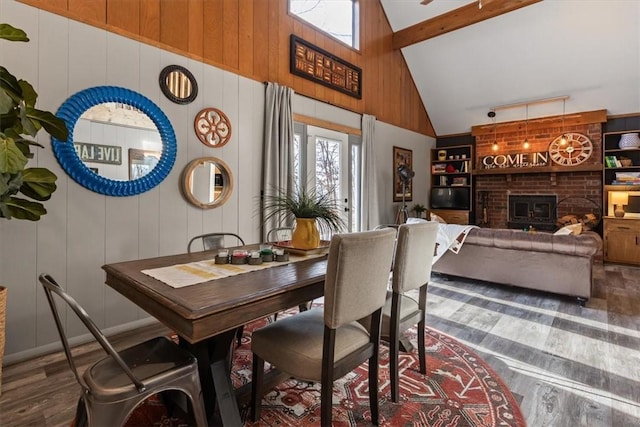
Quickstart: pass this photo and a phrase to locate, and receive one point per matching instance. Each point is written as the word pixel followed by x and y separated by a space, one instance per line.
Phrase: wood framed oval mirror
pixel 120 142
pixel 178 84
pixel 206 182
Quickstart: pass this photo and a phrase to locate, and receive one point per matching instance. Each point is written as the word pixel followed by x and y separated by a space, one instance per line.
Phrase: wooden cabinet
pixel 452 216
pixel 622 240
pixel 451 183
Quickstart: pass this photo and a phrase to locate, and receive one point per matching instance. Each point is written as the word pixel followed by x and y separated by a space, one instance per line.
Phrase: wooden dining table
pixel 206 315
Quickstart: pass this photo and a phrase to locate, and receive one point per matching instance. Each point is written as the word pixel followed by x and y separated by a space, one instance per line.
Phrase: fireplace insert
pixel 533 211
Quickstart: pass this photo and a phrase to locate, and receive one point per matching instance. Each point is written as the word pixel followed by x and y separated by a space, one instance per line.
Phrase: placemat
pixel 181 275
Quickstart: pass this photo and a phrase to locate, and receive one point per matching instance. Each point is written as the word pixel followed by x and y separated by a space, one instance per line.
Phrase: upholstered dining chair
pixel 324 344
pixel 115 385
pixel 411 270
pixel 211 241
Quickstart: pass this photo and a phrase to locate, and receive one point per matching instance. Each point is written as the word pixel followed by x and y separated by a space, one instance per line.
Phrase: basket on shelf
pixel 579 210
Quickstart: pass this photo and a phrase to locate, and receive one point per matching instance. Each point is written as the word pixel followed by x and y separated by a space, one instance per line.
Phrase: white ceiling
pixel 586 49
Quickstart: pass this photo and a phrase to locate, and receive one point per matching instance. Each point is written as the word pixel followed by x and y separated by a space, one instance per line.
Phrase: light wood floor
pixel 567 365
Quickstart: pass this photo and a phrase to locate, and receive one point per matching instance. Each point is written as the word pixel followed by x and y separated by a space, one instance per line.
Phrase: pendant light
pixel 495 146
pixel 526 144
pixel 563 138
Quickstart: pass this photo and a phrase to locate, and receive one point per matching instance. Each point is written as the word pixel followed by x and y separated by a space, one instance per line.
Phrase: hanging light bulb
pixel 495 146
pixel 479 4
pixel 563 138
pixel 526 144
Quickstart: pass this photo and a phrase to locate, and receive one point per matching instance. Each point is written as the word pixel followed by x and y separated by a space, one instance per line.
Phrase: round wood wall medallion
pixel 212 127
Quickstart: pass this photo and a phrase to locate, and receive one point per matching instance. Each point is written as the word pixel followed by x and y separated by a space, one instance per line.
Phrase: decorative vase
pixel 629 140
pixel 442 155
pixel 305 234
pixel 3 308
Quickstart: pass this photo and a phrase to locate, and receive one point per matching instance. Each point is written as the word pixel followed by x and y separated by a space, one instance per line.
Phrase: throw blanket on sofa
pixel 450 237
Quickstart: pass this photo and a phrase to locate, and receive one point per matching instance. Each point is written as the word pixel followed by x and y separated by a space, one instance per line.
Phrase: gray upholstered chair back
pixel 414 253
pixel 357 275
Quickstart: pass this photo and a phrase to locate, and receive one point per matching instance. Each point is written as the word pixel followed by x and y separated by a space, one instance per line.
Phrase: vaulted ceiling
pixel 587 50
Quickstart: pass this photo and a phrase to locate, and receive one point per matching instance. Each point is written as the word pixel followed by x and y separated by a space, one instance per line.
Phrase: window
pixel 337 18
pixel 330 161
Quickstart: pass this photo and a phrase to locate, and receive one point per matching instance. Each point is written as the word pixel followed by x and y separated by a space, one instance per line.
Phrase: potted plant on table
pixel 310 210
pixel 418 209
pixel 21 188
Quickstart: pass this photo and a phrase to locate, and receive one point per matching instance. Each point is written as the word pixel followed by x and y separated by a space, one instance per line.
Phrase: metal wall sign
pixel 98 153
pixel 516 160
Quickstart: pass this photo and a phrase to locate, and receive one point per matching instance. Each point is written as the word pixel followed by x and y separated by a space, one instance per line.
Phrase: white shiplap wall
pixel 84 230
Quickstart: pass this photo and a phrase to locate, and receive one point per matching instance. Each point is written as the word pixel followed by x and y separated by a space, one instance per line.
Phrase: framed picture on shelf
pixel 141 162
pixel 402 156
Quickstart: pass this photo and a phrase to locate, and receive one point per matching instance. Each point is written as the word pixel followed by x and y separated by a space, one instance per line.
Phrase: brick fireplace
pixel 578 189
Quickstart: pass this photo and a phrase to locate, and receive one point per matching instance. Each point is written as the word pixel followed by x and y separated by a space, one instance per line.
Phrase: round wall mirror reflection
pixel 178 84
pixel 207 182
pixel 122 143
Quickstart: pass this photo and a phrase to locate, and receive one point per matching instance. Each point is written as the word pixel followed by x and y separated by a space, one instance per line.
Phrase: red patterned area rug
pixel 459 390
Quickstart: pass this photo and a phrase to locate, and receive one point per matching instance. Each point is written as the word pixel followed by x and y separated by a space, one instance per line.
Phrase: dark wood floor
pixel 567 365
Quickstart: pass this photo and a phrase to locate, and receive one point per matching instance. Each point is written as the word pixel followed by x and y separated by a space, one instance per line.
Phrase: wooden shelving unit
pixel 451 170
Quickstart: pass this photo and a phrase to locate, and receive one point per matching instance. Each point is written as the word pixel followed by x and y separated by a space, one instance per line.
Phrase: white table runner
pixel 181 275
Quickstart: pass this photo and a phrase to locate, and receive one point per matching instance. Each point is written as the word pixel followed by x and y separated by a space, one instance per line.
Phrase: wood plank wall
pixel 251 38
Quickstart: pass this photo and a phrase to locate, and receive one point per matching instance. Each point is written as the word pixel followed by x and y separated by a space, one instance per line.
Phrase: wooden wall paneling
pixel 285 27
pixel 231 153
pixel 195 148
pixel 230 34
pixel 149 26
pixel 245 37
pixel 212 31
pixel 260 52
pixel 91 11
pixel 174 24
pixel 124 14
pixel 86 214
pixel 122 213
pixel 53 49
pixel 19 275
pixel 149 202
pixel 250 162
pixel 196 27
pixel 273 36
pixel 173 209
pixel 253 123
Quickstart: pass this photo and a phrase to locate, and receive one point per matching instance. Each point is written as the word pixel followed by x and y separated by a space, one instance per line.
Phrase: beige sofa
pixel 554 263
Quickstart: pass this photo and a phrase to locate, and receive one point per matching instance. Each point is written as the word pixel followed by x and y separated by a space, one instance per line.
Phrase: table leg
pixel 213 356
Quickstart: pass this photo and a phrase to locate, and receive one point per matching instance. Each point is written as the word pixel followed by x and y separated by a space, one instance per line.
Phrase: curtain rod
pixel 527 103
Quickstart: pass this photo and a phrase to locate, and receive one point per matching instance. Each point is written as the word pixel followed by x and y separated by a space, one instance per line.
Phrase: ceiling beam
pixel 455 19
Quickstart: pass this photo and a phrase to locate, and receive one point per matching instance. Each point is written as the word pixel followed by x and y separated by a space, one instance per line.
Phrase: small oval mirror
pixel 207 182
pixel 178 84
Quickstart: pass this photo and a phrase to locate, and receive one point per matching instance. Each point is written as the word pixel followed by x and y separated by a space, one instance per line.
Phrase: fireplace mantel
pixel 541 169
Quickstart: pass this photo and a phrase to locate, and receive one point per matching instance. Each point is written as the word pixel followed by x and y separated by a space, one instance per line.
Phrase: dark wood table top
pixel 198 312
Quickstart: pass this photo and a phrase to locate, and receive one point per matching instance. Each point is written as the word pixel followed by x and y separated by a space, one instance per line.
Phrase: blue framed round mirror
pixel 120 142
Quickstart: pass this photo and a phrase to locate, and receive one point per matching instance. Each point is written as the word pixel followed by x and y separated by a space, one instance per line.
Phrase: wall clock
pixel 577 149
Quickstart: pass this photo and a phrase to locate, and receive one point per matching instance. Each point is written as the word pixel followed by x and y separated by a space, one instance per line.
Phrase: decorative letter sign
pixel 320 66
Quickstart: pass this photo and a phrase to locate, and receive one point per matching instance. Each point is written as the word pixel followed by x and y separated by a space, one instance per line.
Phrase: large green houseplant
pixel 309 209
pixel 21 188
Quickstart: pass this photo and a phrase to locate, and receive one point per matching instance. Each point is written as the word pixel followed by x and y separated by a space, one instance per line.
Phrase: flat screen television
pixel 450 198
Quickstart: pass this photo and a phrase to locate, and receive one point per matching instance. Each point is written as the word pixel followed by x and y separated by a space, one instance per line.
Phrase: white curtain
pixel 277 166
pixel 370 215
